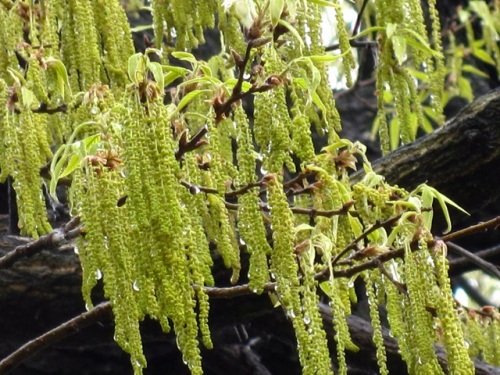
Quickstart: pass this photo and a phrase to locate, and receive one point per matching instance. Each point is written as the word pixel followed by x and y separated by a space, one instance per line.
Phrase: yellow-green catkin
pixel 80 48
pixel 115 41
pixel 160 216
pixel 284 268
pixel 6 133
pixel 309 28
pixel 309 324
pixel 27 182
pixel 373 281
pixel 339 316
pixel 348 60
pixel 250 220
pixel 403 20
pixel 185 19
pixel 105 253
pixel 459 361
pixel 418 288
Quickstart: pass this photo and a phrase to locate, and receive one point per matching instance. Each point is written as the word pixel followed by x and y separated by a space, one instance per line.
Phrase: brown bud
pixel 259 42
pixel 238 60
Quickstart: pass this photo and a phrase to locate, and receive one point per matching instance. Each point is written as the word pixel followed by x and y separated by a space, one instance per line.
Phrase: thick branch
pixel 454 159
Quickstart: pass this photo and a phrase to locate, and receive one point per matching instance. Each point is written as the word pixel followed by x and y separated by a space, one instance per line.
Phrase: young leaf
pixel 399 47
pixel 189 97
pixel 61 75
pixel 157 71
pixel 275 9
pixel 186 56
pixel 135 65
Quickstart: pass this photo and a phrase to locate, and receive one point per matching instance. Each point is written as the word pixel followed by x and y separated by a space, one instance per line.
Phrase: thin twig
pixel 52 240
pixel 373 228
pixel 486 266
pixel 192 144
pixel 490 224
pixel 97 314
pixel 483 254
pixel 353 43
pixel 358 19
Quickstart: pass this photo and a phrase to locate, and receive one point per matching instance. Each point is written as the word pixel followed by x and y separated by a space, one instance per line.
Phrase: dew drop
pixel 290 314
pixel 135 286
pixel 307 320
pixel 98 274
pixel 76 250
pixel 242 242
pixel 94 110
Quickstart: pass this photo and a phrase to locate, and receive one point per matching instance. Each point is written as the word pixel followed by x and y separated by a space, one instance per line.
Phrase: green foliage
pixel 165 186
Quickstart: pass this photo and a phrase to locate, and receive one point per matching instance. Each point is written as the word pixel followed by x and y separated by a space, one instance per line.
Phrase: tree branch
pixel 55 335
pixel 54 239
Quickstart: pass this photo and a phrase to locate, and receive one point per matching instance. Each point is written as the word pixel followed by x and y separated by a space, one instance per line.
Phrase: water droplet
pixel 242 242
pixel 88 307
pixel 94 110
pixel 291 314
pixel 194 189
pixel 135 286
pixel 254 290
pixel 307 320
pixel 98 274
pixel 76 250
pixel 262 170
pixel 466 344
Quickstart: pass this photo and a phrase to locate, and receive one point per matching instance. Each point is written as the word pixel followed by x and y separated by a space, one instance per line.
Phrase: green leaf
pixel 275 10
pixel 28 98
pixel 61 75
pixel 428 195
pixel 482 9
pixel 170 77
pixel 73 163
pixel 293 31
pixel 472 69
pixel 203 79
pixel 328 57
pixel 189 97
pixel 135 68
pixel 17 76
pixel 140 28
pixel 394 132
pixel 231 82
pixel 318 102
pixel 418 42
pixel 186 56
pixel 326 287
pixel 324 3
pixel 399 48
pixel 391 29
pixel 369 31
pixel 206 70
pixel 157 70
pixel 176 69
pixel 482 55
pixel 465 88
